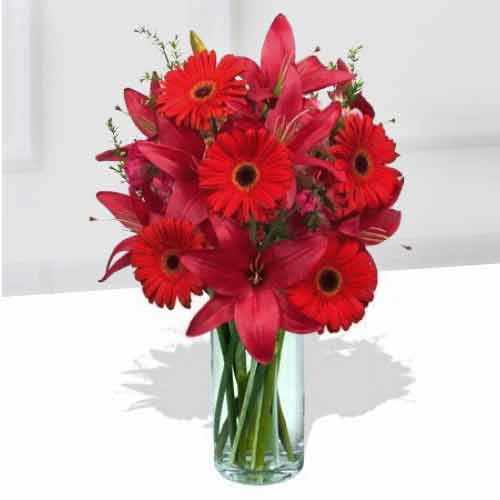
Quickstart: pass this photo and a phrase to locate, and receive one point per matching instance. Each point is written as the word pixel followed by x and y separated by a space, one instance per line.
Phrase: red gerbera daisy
pixel 363 150
pixel 246 174
pixel 156 256
pixel 340 286
pixel 202 89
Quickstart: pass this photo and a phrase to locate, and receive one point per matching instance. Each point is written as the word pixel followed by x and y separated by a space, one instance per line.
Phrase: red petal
pixel 315 76
pixel 364 106
pixel 312 161
pixel 278 49
pixel 316 130
pixel 140 208
pixel 256 79
pixel 379 227
pixel 214 313
pixel 350 227
pixel 142 114
pixel 290 261
pixel 289 103
pixel 124 246
pixel 231 236
pixel 218 270
pixel 174 162
pixel 294 321
pixel 291 194
pixel 257 318
pixel 109 155
pixel 187 202
pixel 372 229
pixel 181 138
pixel 121 206
pixel 123 261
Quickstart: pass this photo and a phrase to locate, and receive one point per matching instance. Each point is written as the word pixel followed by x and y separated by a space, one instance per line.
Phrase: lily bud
pixel 197 44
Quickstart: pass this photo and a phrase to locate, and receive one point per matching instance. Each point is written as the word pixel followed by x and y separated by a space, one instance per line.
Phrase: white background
pixel 430 64
pixel 66 433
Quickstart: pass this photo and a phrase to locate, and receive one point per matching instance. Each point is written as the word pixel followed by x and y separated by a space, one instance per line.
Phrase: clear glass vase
pixel 258 409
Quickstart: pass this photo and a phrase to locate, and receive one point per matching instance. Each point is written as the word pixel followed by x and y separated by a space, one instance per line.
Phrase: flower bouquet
pixel 250 186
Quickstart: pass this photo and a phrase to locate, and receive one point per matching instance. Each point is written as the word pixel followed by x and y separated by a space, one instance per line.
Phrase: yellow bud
pixel 196 43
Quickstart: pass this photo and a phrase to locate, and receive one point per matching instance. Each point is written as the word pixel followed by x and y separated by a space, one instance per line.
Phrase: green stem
pixel 283 433
pixel 220 442
pixel 254 380
pixel 226 383
pixel 264 431
pixel 240 368
pixel 255 444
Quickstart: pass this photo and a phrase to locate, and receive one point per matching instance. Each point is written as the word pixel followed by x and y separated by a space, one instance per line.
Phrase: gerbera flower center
pixel 245 175
pixel 329 281
pixel 172 263
pixel 203 90
pixel 362 164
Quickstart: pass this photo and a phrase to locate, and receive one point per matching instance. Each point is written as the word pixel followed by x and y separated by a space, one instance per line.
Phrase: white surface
pixel 428 63
pixel 65 433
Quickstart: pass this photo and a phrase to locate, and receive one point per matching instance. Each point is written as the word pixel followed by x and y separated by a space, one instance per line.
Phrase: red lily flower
pixel 248 286
pixel 134 215
pixel 186 200
pixel 287 122
pixel 277 57
pixel 372 228
pixel 156 128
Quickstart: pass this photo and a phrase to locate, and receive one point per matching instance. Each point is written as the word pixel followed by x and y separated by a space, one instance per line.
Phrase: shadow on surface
pixel 342 378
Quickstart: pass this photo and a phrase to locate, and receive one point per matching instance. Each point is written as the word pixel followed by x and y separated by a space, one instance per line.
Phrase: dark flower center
pixel 203 91
pixel 172 262
pixel 245 175
pixel 329 280
pixel 361 164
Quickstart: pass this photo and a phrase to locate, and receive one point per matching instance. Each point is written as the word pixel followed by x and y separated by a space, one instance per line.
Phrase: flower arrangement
pixel 251 186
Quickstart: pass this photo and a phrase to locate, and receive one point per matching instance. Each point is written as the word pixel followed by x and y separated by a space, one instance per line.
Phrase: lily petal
pixel 181 138
pixel 315 76
pixel 215 312
pixel 174 162
pixel 122 207
pixel 289 104
pixel 187 202
pixel 141 113
pixel 372 229
pixel 278 50
pixel 257 319
pixel 124 246
pixel 315 130
pixel 232 237
pixel 290 261
pixel 363 105
pixel 123 261
pixel 218 270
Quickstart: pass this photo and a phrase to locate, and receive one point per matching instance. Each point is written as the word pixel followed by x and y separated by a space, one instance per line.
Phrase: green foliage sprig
pixel 119 151
pixel 353 55
pixel 170 50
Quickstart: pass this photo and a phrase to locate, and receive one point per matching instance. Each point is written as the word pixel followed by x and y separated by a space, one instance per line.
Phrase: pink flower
pixel 307 202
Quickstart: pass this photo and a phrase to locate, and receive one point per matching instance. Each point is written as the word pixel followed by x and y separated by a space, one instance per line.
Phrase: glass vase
pixel 258 410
